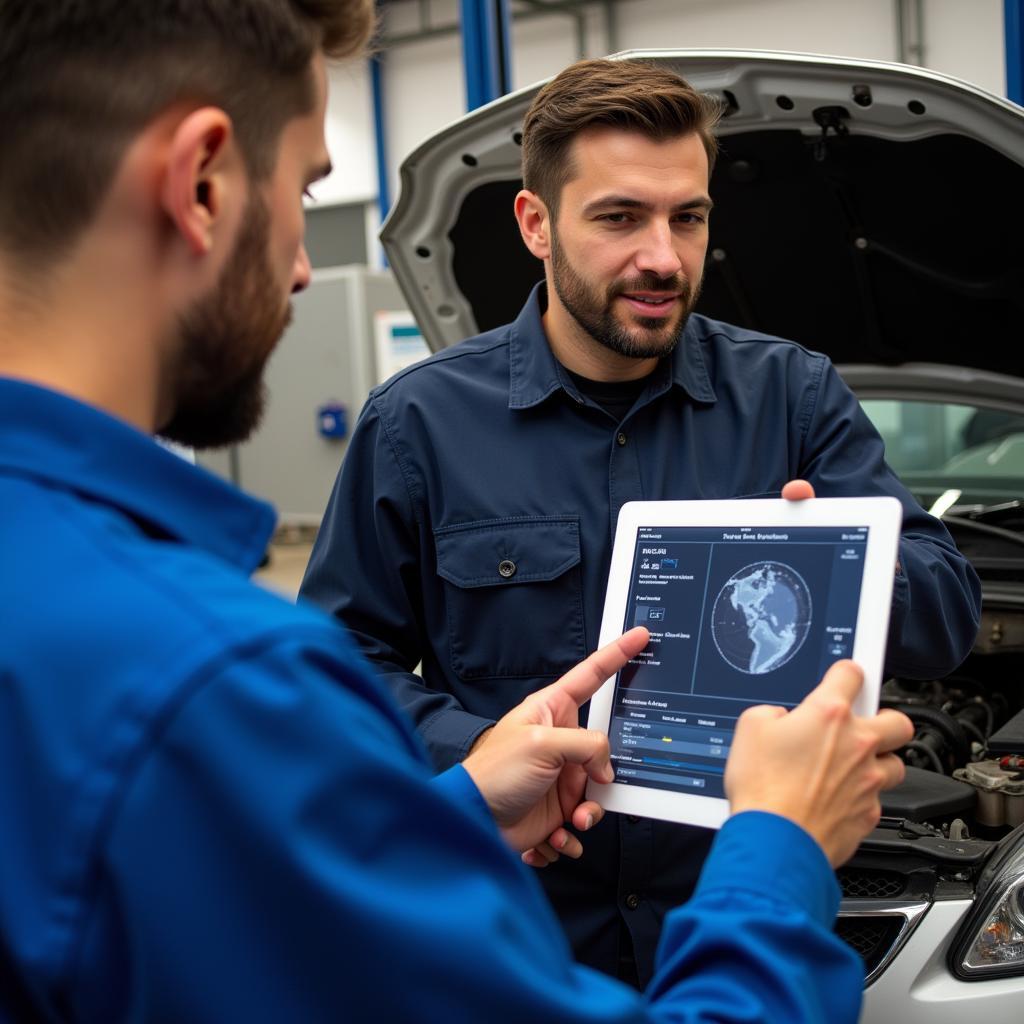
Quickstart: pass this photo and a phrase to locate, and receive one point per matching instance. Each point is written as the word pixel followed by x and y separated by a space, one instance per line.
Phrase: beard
pixel 226 339
pixel 645 337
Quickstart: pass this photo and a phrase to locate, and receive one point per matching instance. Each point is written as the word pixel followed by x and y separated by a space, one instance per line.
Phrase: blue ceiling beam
pixel 380 132
pixel 1013 29
pixel 486 50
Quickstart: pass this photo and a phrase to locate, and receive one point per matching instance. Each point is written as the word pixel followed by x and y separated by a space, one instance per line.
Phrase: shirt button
pixel 620 438
pixel 632 901
pixel 506 568
pixel 632 818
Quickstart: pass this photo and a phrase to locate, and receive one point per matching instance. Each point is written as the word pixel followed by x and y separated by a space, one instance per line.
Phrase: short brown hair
pixel 82 77
pixel 631 95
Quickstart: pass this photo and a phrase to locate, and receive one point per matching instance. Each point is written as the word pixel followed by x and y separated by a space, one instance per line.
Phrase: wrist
pixel 480 741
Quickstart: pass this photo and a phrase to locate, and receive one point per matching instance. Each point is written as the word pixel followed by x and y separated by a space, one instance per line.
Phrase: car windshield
pixel 940 447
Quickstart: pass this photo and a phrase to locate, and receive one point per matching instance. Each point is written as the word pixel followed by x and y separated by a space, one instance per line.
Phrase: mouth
pixel 651 304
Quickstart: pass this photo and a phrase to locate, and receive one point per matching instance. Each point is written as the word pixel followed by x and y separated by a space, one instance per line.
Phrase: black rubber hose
pixel 923 748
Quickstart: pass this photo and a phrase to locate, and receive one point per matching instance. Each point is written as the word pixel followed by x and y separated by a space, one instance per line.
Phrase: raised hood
pixel 871 211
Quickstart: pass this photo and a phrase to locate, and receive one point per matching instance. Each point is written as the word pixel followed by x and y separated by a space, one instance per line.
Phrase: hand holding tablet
pixel 817 765
pixel 748 603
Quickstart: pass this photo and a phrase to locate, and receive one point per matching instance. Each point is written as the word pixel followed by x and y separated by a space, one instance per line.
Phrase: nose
pixel 302 273
pixel 657 253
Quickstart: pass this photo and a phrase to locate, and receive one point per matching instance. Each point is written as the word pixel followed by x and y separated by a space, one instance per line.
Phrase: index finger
pixel 581 682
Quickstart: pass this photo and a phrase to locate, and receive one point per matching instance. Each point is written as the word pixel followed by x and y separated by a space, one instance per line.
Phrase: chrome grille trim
pixel 909 912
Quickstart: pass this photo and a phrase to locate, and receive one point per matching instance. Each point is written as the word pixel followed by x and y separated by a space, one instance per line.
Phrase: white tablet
pixel 747 602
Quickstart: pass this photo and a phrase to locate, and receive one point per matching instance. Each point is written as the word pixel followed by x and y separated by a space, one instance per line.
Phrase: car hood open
pixel 870 211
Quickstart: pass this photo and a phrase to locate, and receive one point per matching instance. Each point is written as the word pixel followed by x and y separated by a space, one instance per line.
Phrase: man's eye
pixel 614 218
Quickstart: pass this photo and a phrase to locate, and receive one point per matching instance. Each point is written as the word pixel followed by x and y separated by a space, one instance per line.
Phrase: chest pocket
pixel 514 596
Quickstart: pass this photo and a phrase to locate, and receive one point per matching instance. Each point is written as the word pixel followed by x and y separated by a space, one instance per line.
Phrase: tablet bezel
pixel 882 515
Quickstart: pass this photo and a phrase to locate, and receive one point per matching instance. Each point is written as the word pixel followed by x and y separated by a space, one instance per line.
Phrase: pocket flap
pixel 503 552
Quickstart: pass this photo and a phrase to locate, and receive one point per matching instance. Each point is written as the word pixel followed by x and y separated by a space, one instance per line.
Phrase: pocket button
pixel 506 568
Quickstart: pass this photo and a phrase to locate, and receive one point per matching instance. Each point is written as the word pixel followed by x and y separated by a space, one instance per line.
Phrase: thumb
pixel 764 712
pixel 842 682
pixel 760 713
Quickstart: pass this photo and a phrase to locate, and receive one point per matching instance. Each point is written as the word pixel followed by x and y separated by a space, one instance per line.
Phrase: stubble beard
pixel 647 337
pixel 227 338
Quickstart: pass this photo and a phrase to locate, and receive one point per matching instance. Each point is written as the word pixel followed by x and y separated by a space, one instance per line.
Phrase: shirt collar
pixel 535 373
pixel 77 447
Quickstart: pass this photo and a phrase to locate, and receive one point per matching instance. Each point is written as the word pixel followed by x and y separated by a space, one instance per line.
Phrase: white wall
pixel 544 45
pixel 864 28
pixel 350 137
pixel 424 88
pixel 966 39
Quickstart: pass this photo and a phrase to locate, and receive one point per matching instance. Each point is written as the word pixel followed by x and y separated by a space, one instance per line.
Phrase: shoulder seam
pixel 760 337
pixel 444 356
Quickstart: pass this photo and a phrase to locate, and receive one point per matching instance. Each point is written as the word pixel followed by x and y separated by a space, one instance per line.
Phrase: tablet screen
pixel 738 616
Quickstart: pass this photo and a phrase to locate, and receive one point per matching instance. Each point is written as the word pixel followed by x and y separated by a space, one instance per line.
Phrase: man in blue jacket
pixel 211 809
pixel 520 446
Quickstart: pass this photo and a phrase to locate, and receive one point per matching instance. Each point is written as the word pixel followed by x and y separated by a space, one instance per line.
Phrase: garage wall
pixel 424 87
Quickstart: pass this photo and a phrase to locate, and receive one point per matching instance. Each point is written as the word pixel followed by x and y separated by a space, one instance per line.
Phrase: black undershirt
pixel 616 397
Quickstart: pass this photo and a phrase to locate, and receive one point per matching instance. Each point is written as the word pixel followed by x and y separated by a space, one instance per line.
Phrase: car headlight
pixel 991 941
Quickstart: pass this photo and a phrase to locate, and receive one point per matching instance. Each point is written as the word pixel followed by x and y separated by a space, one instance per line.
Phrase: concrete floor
pixel 287 564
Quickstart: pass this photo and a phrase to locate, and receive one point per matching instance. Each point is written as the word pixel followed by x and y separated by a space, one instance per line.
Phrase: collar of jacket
pixel 67 444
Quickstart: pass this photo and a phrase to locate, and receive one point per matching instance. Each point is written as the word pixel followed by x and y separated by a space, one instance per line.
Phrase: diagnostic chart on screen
pixel 738 616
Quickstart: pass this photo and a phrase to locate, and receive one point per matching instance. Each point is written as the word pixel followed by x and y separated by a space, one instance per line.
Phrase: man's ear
pixel 197 178
pixel 534 223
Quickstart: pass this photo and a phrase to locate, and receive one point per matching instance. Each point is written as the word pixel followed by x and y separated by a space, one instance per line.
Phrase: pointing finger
pixel 585 679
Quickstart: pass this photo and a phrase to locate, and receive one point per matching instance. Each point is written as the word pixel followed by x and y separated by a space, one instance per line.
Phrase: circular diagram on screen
pixel 761 617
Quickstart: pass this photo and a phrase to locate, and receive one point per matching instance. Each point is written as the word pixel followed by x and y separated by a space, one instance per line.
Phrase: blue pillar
pixel 383 190
pixel 1013 28
pixel 486 50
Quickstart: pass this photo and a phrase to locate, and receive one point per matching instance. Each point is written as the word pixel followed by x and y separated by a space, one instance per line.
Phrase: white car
pixel 874 212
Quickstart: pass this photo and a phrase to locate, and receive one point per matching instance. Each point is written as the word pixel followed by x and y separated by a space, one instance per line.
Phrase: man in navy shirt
pixel 517 449
pixel 211 809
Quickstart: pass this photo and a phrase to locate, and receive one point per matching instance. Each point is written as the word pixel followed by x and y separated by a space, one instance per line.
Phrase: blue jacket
pixel 212 811
pixel 488 451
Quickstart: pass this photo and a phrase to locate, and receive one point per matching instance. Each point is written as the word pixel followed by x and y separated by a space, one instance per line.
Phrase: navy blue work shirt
pixel 488 453
pixel 212 811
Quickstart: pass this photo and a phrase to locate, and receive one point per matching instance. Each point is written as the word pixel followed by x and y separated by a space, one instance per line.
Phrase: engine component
pixel 1000 792
pixel 940 742
pixel 1010 738
pixel 924 795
